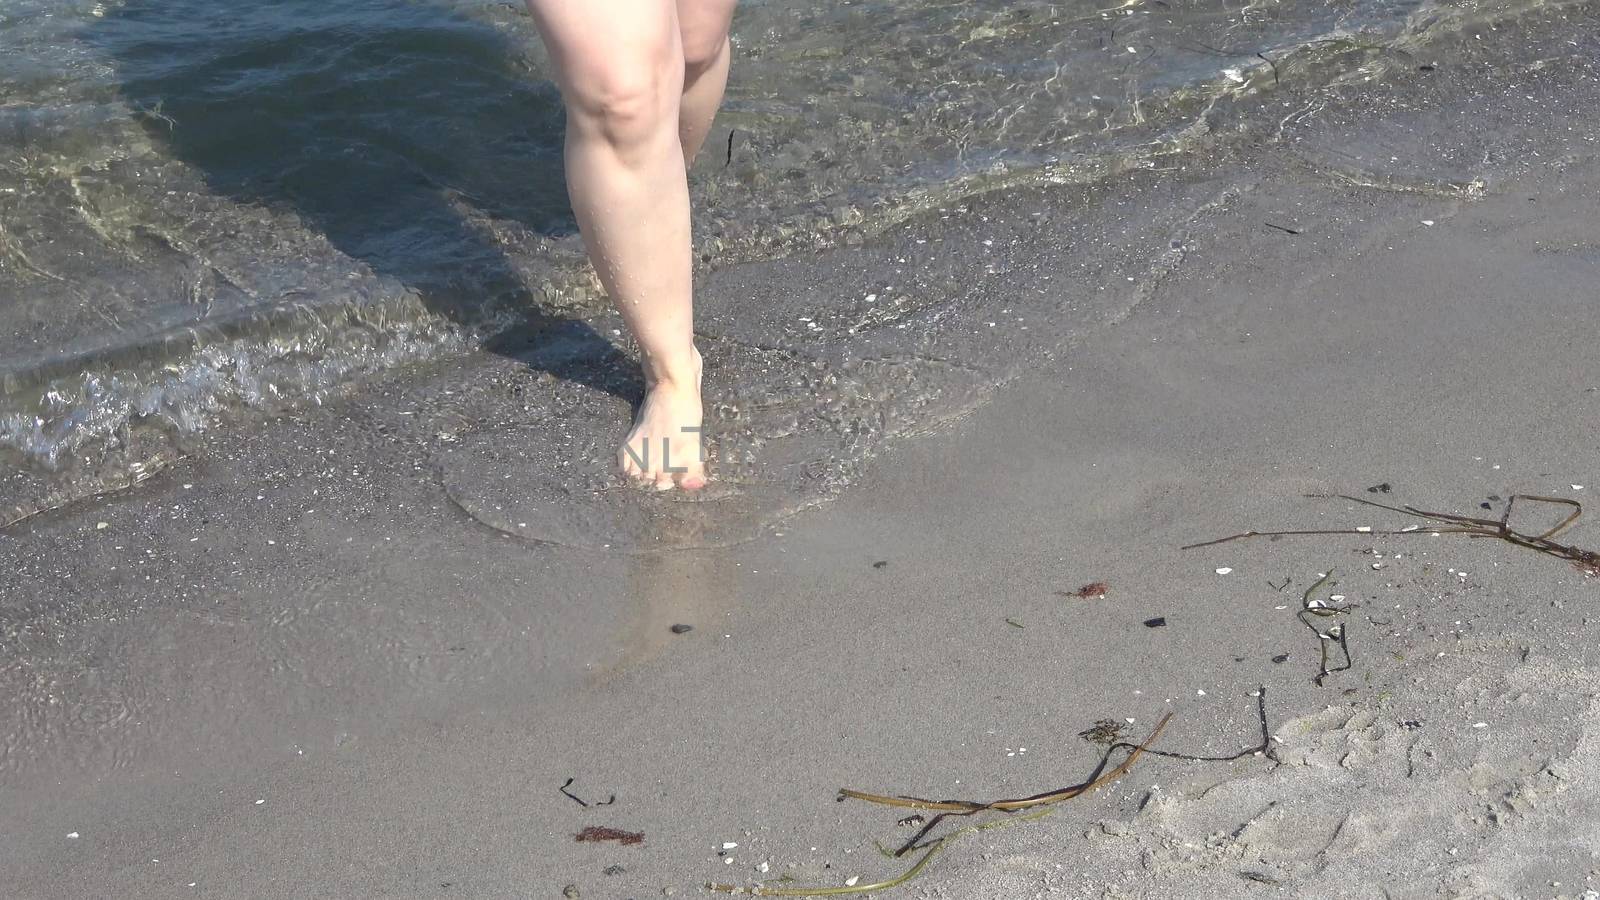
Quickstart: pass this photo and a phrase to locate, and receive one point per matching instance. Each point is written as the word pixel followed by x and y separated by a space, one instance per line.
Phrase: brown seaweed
pixel 1033 807
pixel 1450 523
pixel 594 834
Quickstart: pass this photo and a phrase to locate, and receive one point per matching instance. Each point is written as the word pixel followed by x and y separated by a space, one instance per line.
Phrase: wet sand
pixel 296 663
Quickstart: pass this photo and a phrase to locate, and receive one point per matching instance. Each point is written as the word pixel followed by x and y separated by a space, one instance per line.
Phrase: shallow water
pixel 208 207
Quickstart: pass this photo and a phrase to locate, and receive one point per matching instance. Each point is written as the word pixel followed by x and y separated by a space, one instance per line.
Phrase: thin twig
pixel 1451 523
pixel 1262 749
pixel 1039 804
pixel 907 875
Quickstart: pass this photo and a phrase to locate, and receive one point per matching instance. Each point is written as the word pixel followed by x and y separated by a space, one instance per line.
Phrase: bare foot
pixel 663 450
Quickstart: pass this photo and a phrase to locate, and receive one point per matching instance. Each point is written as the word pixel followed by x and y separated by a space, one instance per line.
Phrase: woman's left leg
pixel 703 25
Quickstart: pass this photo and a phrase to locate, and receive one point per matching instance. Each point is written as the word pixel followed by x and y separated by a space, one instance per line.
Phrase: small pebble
pixel 682 629
pixel 101 526
pixel 73 835
pixel 1224 570
pixel 1480 724
pixel 851 881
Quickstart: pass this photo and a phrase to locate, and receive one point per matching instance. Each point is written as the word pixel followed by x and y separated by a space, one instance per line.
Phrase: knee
pixel 625 104
pixel 701 54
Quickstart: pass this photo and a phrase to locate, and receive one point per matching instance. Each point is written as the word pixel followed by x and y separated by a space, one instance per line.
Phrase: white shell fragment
pixel 1224 570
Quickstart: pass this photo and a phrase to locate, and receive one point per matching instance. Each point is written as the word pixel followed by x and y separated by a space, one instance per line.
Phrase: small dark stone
pixel 681 628
pixel 613 870
pixel 1486 506
pixel 880 564
pixel 1380 488
pixel 1411 723
pixel 1157 622
pixel 1281 658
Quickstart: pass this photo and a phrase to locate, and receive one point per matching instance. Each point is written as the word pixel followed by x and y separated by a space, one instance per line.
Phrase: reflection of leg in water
pixel 642 80
pixel 667 589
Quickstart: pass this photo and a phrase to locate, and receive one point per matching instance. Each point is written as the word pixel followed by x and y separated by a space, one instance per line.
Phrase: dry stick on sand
pixel 1544 542
pixel 956 808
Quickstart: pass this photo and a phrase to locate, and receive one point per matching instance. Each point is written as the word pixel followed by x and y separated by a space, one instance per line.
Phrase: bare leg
pixel 621 68
pixel 703 27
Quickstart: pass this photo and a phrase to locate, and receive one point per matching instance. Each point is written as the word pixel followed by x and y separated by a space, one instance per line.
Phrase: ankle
pixel 680 374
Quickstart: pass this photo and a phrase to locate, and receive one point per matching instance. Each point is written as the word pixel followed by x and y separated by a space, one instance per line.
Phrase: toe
pixel 692 480
pixel 630 469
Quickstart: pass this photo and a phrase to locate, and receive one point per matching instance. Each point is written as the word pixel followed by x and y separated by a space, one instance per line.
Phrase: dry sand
pixel 292 667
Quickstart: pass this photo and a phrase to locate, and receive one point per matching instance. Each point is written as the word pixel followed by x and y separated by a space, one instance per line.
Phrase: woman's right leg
pixel 620 65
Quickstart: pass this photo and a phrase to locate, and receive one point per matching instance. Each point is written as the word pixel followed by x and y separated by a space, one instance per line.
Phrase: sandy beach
pixel 375 648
